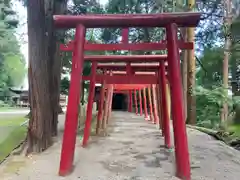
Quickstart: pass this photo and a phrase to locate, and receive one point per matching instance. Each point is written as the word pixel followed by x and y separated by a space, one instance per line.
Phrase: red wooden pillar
pixel 110 96
pixel 129 72
pixel 150 104
pixel 110 103
pixel 155 114
pixel 130 101
pixel 159 106
pixel 140 101
pixel 71 123
pixel 100 110
pixel 105 109
pixel 135 101
pixel 125 32
pixel 165 115
pixel 145 104
pixel 180 136
pixel 88 120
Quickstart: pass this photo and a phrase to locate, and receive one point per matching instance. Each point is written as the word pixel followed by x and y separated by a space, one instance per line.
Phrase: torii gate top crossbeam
pixel 186 19
pixel 129 86
pixel 134 67
pixel 125 58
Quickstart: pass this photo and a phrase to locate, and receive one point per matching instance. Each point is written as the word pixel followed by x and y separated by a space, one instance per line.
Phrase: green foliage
pixel 64 85
pixel 3 104
pixel 92 35
pixel 235 129
pixel 212 61
pixel 12 64
pixel 209 103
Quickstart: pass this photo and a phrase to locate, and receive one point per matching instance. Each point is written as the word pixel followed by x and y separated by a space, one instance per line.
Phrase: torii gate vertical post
pixel 135 101
pixel 150 104
pixel 165 114
pixel 155 114
pixel 129 72
pixel 71 123
pixel 110 103
pixel 88 120
pixel 130 101
pixel 125 33
pixel 105 111
pixel 160 103
pixel 180 136
pixel 159 106
pixel 100 110
pixel 145 104
pixel 140 101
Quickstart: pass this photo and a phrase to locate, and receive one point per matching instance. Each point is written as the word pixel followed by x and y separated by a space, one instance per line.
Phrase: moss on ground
pixel 235 129
pixel 11 121
pixel 13 135
pixel 9 108
pixel 12 141
pixel 230 135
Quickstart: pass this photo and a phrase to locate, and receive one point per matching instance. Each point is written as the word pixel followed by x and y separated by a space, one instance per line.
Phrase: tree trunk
pixel 235 80
pixel 228 21
pixel 40 124
pixel 184 56
pixel 60 110
pixel 185 74
pixel 51 42
pixel 55 61
pixel 83 93
pixel 191 99
pixel 236 118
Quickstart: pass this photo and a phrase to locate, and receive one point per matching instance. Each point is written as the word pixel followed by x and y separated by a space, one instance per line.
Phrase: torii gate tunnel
pixel 128 78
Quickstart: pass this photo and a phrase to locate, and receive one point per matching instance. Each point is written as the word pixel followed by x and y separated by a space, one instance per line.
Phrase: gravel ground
pixel 133 151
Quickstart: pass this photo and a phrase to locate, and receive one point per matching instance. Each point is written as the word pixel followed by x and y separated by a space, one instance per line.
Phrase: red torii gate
pixel 127 47
pixel 168 20
pixel 151 68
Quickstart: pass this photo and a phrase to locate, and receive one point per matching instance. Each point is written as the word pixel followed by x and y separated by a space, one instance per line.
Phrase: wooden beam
pixel 126 47
pixel 125 58
pixel 125 79
pixel 186 19
pixel 129 86
pixel 143 67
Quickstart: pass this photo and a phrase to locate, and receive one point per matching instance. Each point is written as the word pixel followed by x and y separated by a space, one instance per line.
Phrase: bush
pixel 209 106
pixel 3 104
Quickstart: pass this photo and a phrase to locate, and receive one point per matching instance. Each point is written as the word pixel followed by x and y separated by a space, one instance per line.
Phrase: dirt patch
pixel 155 163
pixel 127 142
pixel 140 156
pixel 117 166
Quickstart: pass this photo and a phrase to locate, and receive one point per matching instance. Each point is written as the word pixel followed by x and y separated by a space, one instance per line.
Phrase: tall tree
pixel 235 58
pixel 211 76
pixel 44 72
pixel 55 38
pixel 191 67
pixel 227 46
pixel 40 124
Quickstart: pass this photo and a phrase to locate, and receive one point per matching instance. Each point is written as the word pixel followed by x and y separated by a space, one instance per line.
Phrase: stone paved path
pixel 133 151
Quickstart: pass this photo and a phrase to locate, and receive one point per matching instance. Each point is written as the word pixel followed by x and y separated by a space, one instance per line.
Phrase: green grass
pixel 11 121
pixel 235 129
pixel 5 108
pixel 14 134
pixel 12 141
pixel 9 108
